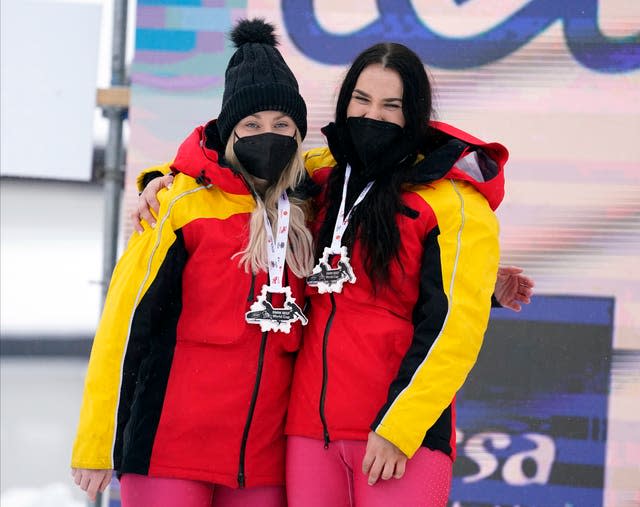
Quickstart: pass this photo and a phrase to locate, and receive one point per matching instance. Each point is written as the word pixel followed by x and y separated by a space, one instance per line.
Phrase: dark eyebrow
pixel 365 94
pixel 362 93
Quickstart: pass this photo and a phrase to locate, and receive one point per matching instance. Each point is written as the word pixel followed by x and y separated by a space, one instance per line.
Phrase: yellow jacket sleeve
pixel 459 271
pixel 124 332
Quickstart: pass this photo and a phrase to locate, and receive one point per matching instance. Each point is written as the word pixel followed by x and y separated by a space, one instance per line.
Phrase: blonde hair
pixel 300 252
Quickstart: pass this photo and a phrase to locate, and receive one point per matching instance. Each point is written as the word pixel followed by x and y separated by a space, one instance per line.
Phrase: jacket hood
pixel 446 152
pixel 451 153
pixel 201 157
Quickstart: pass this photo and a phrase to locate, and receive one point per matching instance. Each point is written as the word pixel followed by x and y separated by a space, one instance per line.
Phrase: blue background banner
pixel 533 412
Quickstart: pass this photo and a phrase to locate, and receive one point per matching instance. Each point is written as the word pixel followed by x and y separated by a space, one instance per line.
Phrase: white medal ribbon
pixel 261 311
pixel 323 276
pixel 277 250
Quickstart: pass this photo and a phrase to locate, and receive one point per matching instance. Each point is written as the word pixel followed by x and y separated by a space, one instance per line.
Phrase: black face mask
pixel 265 156
pixel 373 141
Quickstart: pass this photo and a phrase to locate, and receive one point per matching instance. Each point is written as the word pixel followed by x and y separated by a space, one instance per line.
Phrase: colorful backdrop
pixel 548 417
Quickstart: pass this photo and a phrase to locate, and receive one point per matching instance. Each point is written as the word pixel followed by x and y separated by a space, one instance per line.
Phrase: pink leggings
pixel 318 477
pixel 142 491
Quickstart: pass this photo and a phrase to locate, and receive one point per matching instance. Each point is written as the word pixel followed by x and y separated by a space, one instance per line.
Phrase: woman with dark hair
pixel 407 212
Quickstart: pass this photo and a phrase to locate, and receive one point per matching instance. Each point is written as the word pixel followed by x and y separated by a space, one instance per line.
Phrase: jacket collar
pixel 445 152
pixel 201 156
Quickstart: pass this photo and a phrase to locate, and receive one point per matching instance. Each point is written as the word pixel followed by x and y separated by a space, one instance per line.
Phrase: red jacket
pixel 392 361
pixel 179 385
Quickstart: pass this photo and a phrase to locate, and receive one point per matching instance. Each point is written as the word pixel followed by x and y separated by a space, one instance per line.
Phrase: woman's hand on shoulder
pixel 91 480
pixel 148 201
pixel 382 459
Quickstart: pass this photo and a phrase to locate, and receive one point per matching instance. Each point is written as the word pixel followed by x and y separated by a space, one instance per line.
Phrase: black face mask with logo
pixel 379 145
pixel 265 156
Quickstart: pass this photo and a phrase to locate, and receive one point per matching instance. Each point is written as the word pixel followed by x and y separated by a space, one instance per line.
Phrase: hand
pixel 513 288
pixel 382 459
pixel 91 480
pixel 148 201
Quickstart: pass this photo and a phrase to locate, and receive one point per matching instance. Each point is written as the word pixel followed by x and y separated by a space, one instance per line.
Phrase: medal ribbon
pixel 277 250
pixel 342 222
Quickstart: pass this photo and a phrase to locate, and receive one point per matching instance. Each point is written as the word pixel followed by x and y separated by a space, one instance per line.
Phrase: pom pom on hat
pixel 253 30
pixel 258 79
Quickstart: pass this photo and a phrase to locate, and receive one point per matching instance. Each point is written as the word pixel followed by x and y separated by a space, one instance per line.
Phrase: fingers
pixel 135 220
pixel 523 297
pixel 141 213
pixel 369 457
pixel 148 202
pixel 92 481
pixel 152 201
pixel 388 470
pixel 525 289
pixel 509 270
pixel 166 181
pixel 525 281
pixel 85 479
pixel 94 484
pixel 513 305
pixel 105 481
pixel 144 212
pixel 376 470
pixel 382 460
pixel 151 192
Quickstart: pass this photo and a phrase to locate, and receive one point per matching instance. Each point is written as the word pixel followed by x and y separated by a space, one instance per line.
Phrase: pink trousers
pixel 319 477
pixel 142 491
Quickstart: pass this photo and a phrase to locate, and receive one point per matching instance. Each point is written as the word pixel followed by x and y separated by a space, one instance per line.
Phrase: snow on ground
pixel 52 495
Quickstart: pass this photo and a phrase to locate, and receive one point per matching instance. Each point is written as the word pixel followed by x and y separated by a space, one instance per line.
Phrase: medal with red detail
pixel 262 311
pixel 332 279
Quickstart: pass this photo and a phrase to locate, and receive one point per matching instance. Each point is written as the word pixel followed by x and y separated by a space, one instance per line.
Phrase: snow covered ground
pixel 53 495
pixel 40 400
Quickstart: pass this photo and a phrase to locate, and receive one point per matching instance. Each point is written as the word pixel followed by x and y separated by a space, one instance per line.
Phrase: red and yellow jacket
pixel 179 385
pixel 392 361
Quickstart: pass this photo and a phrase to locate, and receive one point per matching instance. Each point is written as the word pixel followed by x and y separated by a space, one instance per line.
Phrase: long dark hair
pixel 374 220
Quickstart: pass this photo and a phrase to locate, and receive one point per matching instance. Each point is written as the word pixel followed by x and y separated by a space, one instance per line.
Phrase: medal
pixel 328 279
pixel 323 276
pixel 269 318
pixel 262 312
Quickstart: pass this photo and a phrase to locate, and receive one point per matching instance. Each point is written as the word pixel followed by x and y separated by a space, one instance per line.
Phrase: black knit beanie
pixel 258 79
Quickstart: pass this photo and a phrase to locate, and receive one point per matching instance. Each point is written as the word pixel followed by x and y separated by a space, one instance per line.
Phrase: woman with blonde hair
pixel 189 376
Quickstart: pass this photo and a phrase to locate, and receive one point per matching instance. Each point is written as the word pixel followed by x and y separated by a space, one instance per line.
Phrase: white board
pixel 48 85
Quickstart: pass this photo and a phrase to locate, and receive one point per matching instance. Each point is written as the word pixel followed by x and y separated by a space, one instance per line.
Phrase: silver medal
pixel 324 277
pixel 262 312
pixel 272 318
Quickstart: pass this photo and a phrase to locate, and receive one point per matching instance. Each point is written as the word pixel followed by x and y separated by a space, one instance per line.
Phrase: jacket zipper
pixel 254 395
pixel 252 406
pixel 325 371
pixel 252 289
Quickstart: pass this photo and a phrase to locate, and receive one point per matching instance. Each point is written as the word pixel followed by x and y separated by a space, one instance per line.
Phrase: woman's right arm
pixel 149 270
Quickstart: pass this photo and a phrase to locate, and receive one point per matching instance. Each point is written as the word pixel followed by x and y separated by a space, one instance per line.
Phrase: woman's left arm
pixel 459 268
